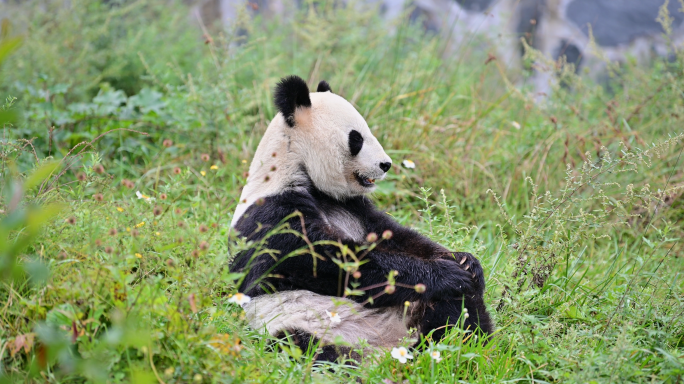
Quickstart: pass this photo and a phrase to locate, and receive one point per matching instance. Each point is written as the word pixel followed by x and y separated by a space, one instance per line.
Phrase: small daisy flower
pixel 334 317
pixel 214 167
pixel 119 209
pixel 139 256
pixel 240 299
pixel 408 164
pixel 144 197
pixel 401 354
pixel 436 356
pixel 203 173
pixel 515 124
pixel 140 224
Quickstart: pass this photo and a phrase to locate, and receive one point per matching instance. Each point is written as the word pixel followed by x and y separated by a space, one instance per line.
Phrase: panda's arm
pixel 409 241
pixel 285 271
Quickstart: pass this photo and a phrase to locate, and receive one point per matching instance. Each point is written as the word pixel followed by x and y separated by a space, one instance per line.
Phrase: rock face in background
pixel 621 29
pixel 619 22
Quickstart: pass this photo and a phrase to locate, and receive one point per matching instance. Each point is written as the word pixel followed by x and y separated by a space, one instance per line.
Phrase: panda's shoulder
pixel 271 210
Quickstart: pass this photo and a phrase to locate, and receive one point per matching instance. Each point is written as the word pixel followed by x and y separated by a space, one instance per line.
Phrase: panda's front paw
pixel 470 263
pixel 451 279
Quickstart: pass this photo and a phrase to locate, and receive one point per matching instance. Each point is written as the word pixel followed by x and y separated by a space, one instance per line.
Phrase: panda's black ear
pixel 323 86
pixel 291 93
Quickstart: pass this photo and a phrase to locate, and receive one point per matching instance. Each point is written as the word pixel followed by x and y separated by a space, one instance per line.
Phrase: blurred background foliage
pixel 104 99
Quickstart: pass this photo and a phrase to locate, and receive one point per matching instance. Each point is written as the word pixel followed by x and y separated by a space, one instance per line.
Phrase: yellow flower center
pixel 238 296
pixel 333 314
pixel 402 352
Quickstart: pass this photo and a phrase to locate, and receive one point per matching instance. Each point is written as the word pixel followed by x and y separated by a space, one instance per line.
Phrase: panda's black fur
pixel 453 280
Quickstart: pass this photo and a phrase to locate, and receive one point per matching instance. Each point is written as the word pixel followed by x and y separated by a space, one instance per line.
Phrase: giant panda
pixel 305 202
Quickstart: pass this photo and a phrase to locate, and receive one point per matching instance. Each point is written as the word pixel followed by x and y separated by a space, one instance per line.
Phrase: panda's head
pixel 316 138
pixel 330 138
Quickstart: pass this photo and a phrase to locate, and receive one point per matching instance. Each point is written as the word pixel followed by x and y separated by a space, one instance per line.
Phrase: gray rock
pixel 475 5
pixel 616 22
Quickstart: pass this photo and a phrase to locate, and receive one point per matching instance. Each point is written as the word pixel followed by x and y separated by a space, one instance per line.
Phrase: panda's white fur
pixel 319 141
pixel 306 311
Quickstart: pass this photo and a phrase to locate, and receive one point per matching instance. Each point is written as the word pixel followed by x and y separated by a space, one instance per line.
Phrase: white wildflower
pixel 144 197
pixel 334 317
pixel 240 298
pixel 515 124
pixel 408 164
pixel 436 356
pixel 401 354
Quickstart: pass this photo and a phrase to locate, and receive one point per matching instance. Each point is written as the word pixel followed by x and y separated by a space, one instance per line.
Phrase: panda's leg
pixel 443 314
pixel 306 341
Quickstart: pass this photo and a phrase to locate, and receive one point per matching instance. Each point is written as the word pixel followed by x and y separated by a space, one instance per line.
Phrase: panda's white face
pixel 340 153
pixel 329 141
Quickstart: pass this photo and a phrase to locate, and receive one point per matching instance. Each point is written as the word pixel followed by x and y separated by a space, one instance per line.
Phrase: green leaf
pixel 7 46
pixel 148 101
pixel 40 174
pixel 8 117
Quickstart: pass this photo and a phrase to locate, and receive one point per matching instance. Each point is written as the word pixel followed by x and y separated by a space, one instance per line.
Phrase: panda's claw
pixel 467 267
pixel 464 260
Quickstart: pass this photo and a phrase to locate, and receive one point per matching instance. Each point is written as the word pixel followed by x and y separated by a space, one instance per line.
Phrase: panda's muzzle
pixel 364 181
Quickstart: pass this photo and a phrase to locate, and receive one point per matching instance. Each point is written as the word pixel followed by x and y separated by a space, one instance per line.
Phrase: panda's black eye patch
pixel 355 142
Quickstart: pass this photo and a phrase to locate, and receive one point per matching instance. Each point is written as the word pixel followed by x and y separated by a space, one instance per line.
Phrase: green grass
pixel 583 264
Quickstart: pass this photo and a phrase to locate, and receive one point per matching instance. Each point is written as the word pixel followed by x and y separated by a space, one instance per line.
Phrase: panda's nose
pixel 385 166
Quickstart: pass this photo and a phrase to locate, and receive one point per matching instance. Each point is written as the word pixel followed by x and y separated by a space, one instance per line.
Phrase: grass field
pixel 574 205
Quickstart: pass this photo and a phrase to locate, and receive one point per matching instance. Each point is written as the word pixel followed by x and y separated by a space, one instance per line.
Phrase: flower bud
pixel 387 235
pixel 390 289
pixel 420 288
pixel 372 237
